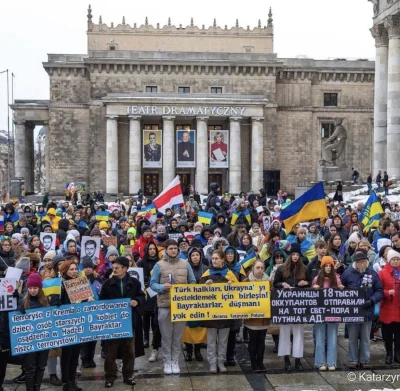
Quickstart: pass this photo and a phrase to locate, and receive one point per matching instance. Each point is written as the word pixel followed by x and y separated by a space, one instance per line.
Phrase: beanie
pixel 112 251
pixel 24 230
pixel 360 256
pixel 197 242
pixel 87 262
pixel 57 259
pixel 295 248
pixel 74 233
pixel 95 232
pixel 198 224
pixel 122 261
pixel 50 255
pixel 327 261
pixel 34 280
pixel 392 254
pixel 103 225
pixel 22 218
pixel 144 229
pixel 354 237
pixel 161 228
pixel 182 240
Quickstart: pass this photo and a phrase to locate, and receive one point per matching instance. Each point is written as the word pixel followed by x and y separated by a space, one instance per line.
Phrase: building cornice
pixel 315 109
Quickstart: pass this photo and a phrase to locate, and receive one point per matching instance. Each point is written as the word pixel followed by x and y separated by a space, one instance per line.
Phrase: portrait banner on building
pixel 219 148
pixel 152 148
pixel 70 324
pixel 185 148
pixel 247 300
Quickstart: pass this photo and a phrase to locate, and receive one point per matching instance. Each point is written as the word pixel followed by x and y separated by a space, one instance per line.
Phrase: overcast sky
pixel 319 29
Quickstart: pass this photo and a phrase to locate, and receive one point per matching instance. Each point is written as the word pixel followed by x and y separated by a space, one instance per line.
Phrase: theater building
pixel 212 104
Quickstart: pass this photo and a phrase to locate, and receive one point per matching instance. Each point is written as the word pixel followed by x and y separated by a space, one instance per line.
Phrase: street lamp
pixel 8 132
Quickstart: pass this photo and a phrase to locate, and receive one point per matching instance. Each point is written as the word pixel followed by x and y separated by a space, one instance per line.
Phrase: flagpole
pixel 8 132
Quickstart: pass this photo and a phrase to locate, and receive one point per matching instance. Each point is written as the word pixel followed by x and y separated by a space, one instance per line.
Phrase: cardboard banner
pixel 219 149
pixel 152 148
pixel 185 148
pixel 7 288
pixel 243 300
pixel 70 324
pixel 128 249
pixel 110 241
pixel 78 289
pixel 326 305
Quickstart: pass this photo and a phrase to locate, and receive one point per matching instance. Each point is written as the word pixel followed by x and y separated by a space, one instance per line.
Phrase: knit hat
pixel 295 248
pixel 177 216
pixel 122 219
pixel 182 240
pixel 24 230
pixel 354 237
pixel 34 280
pixel 87 262
pixel 161 228
pixel 392 254
pixel 122 261
pixel 327 261
pixel 103 225
pixel 22 218
pixel 95 232
pixel 360 256
pixel 57 259
pixel 383 242
pixel 144 229
pixel 74 233
pixel 112 251
pixel 197 242
pixel 50 255
pixel 198 224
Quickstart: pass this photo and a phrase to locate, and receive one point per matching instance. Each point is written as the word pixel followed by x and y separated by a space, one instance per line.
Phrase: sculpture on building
pixel 334 148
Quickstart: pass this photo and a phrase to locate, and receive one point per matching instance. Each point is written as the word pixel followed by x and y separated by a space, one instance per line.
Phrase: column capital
pixel 133 117
pixel 202 118
pixel 380 34
pixel 235 118
pixel 46 123
pixel 111 116
pixel 392 24
pixel 19 121
pixel 168 117
pixel 257 119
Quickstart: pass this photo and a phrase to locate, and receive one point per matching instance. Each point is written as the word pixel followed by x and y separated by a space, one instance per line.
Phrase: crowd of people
pixel 176 248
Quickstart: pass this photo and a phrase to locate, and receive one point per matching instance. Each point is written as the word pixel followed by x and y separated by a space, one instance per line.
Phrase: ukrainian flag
pixel 245 213
pixel 102 215
pixel 311 205
pixel 249 260
pixel 225 272
pixel 371 212
pixel 52 286
pixel 204 218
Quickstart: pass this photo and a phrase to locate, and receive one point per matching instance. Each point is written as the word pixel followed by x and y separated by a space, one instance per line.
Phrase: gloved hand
pixel 15 294
pixel 368 304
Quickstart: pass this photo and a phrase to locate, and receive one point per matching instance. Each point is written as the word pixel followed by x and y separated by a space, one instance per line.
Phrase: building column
pixel 202 156
pixel 47 156
pixel 257 149
pixel 30 149
pixel 135 154
pixel 380 98
pixel 392 24
pixel 112 154
pixel 20 151
pixel 168 150
pixel 235 160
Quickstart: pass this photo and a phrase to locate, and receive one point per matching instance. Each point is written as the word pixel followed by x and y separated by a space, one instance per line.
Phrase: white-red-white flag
pixel 170 196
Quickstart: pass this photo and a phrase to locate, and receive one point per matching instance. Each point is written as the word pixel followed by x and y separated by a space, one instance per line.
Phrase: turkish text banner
pixel 247 300
pixel 70 324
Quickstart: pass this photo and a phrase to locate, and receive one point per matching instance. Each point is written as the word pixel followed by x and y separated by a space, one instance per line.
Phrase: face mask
pixel 163 236
pixel 218 203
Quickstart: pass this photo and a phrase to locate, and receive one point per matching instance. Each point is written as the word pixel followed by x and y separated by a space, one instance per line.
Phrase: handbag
pixel 376 309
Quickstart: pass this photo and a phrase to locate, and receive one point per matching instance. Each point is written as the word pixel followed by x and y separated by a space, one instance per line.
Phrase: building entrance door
pixel 217 178
pixel 151 184
pixel 272 181
pixel 185 183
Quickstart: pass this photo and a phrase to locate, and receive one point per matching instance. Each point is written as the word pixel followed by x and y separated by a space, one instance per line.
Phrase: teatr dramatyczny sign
pixel 215 111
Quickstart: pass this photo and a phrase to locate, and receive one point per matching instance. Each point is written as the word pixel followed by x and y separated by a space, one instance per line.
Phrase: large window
pixel 183 127
pixel 151 88
pixel 327 129
pixel 216 90
pixel 184 90
pixel 330 99
pixel 151 127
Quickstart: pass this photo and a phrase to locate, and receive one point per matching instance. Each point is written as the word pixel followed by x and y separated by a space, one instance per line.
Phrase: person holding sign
pixel 362 276
pixel 326 333
pixel 35 362
pixel 122 285
pixel 217 330
pixel 292 274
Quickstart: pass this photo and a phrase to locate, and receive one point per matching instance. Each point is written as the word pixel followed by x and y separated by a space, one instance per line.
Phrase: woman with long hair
pixel 292 274
pixel 337 250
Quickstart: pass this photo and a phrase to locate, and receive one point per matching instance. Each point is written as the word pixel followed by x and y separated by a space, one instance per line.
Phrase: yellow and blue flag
pixel 249 260
pixel 204 218
pixel 371 212
pixel 52 286
pixel 150 208
pixel 102 215
pixel 311 205
pixel 225 272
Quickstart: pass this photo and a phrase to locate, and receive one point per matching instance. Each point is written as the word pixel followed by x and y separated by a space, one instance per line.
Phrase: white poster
pixel 48 240
pixel 90 249
pixel 152 148
pixel 185 148
pixel 219 143
pixel 137 272
pixel 7 288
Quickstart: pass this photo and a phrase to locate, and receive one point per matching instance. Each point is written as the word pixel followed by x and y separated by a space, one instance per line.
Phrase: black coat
pixel 111 290
pixel 147 263
pixel 9 258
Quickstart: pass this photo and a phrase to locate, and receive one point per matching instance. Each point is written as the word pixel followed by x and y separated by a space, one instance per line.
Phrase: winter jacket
pixel 313 269
pixel 225 227
pixel 291 280
pixel 212 196
pixel 390 305
pixel 369 281
pixel 377 237
pixel 139 247
pixel 9 258
pixel 199 269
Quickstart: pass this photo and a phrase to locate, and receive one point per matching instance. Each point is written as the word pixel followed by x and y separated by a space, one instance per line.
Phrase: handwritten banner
pixel 328 305
pixel 54 327
pixel 78 289
pixel 110 241
pixel 7 288
pixel 220 301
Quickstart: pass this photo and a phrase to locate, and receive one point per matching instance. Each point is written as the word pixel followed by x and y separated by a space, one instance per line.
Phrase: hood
pixel 214 187
pixel 237 258
pixel 34 261
pixel 221 215
pixel 217 240
pixel 132 231
pixel 146 253
pixel 63 224
pixel 10 206
pixel 194 250
pixel 69 238
pixel 272 224
pixel 341 220
pixel 52 211
pixel 205 228
pixel 263 192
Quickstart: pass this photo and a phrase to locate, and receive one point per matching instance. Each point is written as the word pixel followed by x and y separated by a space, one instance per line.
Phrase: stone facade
pixel 275 108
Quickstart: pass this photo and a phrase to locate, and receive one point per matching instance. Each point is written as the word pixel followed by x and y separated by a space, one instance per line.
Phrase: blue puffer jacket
pixel 369 280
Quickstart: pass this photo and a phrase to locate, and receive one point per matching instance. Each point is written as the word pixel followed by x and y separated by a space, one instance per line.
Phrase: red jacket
pixel 138 247
pixel 390 305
